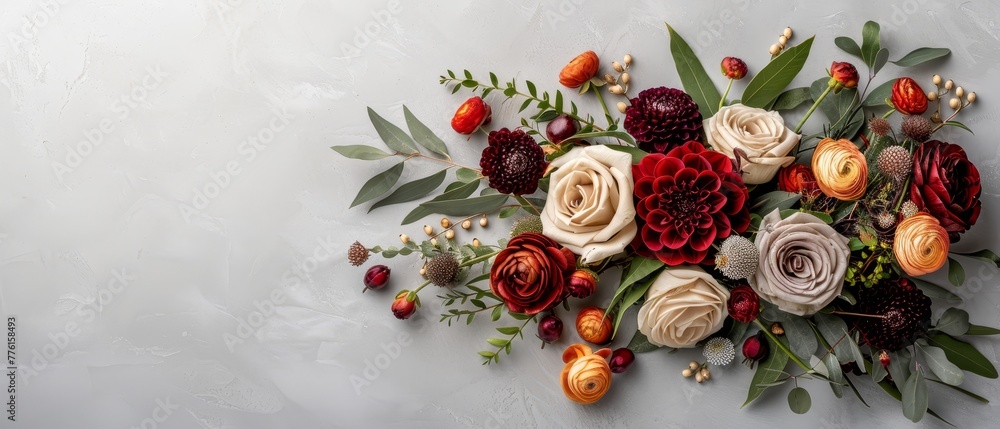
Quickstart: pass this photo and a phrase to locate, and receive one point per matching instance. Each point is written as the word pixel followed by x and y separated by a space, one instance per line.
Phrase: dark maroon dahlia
pixel 685 201
pixel 946 185
pixel 661 119
pixel 513 162
pixel 896 312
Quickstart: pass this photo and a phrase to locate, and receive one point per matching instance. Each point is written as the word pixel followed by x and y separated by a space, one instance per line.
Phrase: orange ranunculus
pixel 587 376
pixel 530 274
pixel 579 70
pixel 908 97
pixel 843 75
pixel 797 179
pixel 471 115
pixel 921 244
pixel 841 169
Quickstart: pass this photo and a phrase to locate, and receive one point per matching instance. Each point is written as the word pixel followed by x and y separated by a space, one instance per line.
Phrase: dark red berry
pixel 377 277
pixel 550 329
pixel 621 360
pixel 561 128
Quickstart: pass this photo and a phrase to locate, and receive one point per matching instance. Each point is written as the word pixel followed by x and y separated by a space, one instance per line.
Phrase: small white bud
pixel 622 106
pixel 782 40
pixel 628 60
pixel 775 49
pixel 787 33
pixel 971 97
pixel 955 103
pixel 960 92
pixel 626 78
pixel 936 79
pixel 617 89
pixel 949 84
pixel 617 66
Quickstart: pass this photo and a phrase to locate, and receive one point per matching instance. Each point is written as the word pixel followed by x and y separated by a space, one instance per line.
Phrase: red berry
pixel 377 277
pixel 561 128
pixel 621 360
pixel 550 328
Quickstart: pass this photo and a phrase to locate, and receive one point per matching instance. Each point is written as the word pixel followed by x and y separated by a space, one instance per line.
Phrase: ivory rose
pixel 589 205
pixel 803 263
pixel 760 134
pixel 684 305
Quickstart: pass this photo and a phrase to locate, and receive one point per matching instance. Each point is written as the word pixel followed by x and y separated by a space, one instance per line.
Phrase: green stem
pixel 600 98
pixel 888 114
pixel 477 260
pixel 722 102
pixel 781 346
pixel 422 285
pixel 536 99
pixel 812 109
pixel 525 203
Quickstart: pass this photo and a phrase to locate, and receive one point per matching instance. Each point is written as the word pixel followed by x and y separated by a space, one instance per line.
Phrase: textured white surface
pixel 214 195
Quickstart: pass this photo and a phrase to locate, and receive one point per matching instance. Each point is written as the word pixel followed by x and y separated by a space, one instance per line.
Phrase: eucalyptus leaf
pixel 799 400
pixel 957 124
pixel 362 152
pixel 771 80
pixel 877 96
pixel 982 330
pixel 468 206
pixel 834 331
pixel 792 98
pixel 956 273
pixel 963 391
pixel 768 371
pixel 412 191
pixel 899 364
pixel 939 364
pixel 467 175
pixel 694 78
pixel 984 255
pixel 915 398
pixel 880 59
pixel 393 136
pixel 878 371
pixel 423 135
pixel 934 291
pixel 800 336
pixel 920 56
pixel 870 43
pixel 641 344
pixel 964 355
pixel 454 191
pixel 954 321
pixel 848 45
pixel 836 374
pixel 378 185
pixel 770 201
pixel 637 154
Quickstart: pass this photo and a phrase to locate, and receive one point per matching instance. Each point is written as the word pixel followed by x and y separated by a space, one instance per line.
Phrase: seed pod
pixel 617 66
pixel 777 329
pixel 775 49
pixel 699 378
pixel 610 79
pixel 960 92
pixel 782 40
pixel 429 230
pixel 932 96
pixel 787 33
pixel 693 365
pixel 955 103
pixel 445 222
pixel 971 97
pixel 466 224
pixel 404 238
pixel 450 234
pixel 616 89
pixel 475 242
pixel 949 84
pixel 936 79
pixel 483 221
pixel 622 106
pixel 686 372
pixel 628 60
pixel 626 78
pixel 434 241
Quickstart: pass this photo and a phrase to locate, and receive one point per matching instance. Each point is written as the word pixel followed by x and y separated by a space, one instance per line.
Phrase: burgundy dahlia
pixel 513 161
pixel 896 314
pixel 661 119
pixel 946 185
pixel 685 200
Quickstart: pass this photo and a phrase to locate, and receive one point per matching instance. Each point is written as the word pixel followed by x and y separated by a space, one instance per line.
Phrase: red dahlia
pixel 901 313
pixel 661 119
pixel 685 200
pixel 947 185
pixel 513 161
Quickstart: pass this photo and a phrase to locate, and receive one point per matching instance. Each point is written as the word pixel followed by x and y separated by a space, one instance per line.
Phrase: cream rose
pixel 803 263
pixel 684 305
pixel 589 206
pixel 760 134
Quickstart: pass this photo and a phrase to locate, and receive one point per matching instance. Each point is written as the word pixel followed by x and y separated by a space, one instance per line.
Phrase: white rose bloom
pixel 684 305
pixel 760 134
pixel 589 205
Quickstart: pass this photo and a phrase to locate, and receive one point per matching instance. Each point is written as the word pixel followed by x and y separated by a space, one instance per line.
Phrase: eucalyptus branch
pixel 781 346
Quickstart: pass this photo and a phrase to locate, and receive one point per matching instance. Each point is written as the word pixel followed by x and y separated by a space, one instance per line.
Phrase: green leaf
pixel 509 330
pixel 799 401
pixel 468 206
pixel 899 364
pixel 878 371
pixel 834 331
pixel 776 75
pixel 695 80
pixel 531 88
pixel 508 212
pixel 837 106
pixel 871 43
pixel 964 355
pixel 497 342
pixel 953 322
pixel 915 397
pixel 836 374
pixel 984 255
pixel 636 292
pixel 770 201
pixel 934 291
pixel 963 391
pixel 637 154
pixel 768 371
pixel 621 135
pixel 641 344
pixel 362 152
pixel 938 363
pixel 800 336
pixel 496 313
pixel 878 95
pixel 392 135
pixel 639 269
pixel 378 185
pixel 467 175
pixel 957 124
pixel 920 56
pixel 848 45
pixel 423 135
pixel 454 191
pixel 982 330
pixel 412 191
pixel 855 244
pixel 792 98
pixel 956 273
pixel 880 59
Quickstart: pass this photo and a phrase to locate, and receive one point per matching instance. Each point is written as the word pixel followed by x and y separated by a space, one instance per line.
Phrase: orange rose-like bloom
pixel 908 97
pixel 843 75
pixel 841 169
pixel 921 244
pixel 586 377
pixel 580 70
pixel 471 115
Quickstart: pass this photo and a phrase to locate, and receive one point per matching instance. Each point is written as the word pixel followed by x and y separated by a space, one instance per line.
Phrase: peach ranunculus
pixel 921 244
pixel 579 70
pixel 761 135
pixel 684 305
pixel 589 205
pixel 586 377
pixel 841 169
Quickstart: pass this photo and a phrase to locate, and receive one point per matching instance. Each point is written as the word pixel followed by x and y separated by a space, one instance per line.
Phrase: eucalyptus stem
pixel 528 96
pixel 443 161
pixel 722 101
pixel 526 202
pixel 477 260
pixel 782 346
pixel 812 109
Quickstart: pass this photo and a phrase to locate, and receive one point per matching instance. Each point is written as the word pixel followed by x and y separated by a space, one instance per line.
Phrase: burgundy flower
pixel 897 314
pixel 530 274
pixel 744 304
pixel 513 162
pixel 661 119
pixel 946 185
pixel 685 200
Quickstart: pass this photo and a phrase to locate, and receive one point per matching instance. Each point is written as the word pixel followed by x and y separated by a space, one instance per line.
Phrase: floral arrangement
pixel 728 227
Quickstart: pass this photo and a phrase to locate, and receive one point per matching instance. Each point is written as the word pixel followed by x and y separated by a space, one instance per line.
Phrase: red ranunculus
pixel 471 115
pixel 744 304
pixel 843 75
pixel 734 68
pixel 530 274
pixel 908 97
pixel 798 179
pixel 947 185
pixel 685 201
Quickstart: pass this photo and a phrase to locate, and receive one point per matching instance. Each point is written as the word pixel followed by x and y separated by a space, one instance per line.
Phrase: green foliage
pixel 771 80
pixel 695 80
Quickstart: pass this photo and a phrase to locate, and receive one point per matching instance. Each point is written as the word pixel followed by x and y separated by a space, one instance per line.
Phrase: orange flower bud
pixel 593 327
pixel 471 115
pixel 579 70
pixel 586 377
pixel 908 97
pixel 734 68
pixel 841 169
pixel 843 75
pixel 921 244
